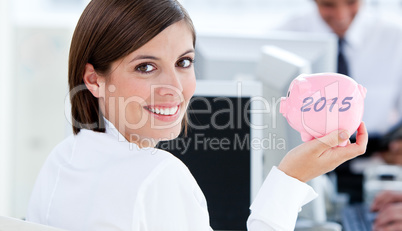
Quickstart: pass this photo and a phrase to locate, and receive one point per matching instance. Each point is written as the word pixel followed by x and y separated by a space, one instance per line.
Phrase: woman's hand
pixel 388 204
pixel 319 156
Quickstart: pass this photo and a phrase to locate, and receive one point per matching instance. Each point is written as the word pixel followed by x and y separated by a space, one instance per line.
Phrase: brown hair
pixel 107 31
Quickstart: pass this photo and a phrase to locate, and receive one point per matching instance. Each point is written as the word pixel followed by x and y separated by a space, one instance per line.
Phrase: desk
pixel 12 224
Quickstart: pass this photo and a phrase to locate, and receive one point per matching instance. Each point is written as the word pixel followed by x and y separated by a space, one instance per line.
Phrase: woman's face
pixel 147 92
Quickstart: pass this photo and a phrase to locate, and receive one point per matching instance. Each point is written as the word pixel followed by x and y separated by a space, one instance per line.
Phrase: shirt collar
pixel 112 130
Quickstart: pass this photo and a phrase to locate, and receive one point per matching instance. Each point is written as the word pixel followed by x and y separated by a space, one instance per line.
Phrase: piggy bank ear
pixel 304 86
pixel 362 90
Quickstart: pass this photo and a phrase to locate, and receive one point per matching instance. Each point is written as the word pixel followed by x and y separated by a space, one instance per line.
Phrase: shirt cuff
pixel 279 200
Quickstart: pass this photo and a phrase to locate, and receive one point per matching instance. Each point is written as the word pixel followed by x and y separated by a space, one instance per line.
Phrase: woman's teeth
pixel 164 111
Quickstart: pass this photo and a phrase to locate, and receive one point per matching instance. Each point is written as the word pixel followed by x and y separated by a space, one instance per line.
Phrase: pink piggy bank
pixel 318 104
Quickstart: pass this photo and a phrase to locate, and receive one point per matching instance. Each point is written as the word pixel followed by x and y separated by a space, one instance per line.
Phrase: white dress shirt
pixel 373 49
pixel 100 182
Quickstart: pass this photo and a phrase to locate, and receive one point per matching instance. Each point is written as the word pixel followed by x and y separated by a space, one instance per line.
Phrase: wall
pixel 5 108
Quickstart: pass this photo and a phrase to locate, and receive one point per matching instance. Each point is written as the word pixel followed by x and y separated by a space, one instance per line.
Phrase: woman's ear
pixel 93 81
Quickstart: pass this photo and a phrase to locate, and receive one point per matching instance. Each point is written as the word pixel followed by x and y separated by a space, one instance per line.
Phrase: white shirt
pixel 100 182
pixel 373 49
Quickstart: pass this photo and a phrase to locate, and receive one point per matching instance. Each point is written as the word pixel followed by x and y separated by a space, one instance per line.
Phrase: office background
pixel 34 42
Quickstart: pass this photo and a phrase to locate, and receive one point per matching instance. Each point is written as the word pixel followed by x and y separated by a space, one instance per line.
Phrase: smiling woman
pixel 131 78
pixel 147 92
pixel 98 49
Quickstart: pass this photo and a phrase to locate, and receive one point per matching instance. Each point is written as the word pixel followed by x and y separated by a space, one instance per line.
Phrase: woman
pixel 131 78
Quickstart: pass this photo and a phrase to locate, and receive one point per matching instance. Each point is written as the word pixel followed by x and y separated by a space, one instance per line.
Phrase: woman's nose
pixel 170 84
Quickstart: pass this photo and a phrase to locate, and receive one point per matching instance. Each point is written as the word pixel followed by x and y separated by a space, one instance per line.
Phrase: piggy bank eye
pixel 288 93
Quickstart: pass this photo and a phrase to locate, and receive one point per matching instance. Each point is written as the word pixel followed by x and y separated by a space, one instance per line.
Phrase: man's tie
pixel 342 63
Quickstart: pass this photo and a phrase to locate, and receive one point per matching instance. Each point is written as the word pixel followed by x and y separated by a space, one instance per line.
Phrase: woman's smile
pixel 164 113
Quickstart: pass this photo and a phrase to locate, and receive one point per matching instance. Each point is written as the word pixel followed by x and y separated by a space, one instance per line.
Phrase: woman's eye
pixel 146 68
pixel 185 62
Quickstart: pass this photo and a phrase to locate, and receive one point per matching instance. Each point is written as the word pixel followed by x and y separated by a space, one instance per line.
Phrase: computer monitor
pixel 235 56
pixel 223 147
pixel 276 69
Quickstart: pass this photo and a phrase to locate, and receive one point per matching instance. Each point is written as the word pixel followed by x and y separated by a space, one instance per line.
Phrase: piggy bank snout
pixel 282 106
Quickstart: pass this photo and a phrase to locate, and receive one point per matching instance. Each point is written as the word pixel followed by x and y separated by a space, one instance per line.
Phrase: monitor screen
pixel 218 156
pixel 219 153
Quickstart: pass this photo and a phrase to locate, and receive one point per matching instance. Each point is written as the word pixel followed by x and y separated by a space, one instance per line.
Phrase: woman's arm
pixel 284 191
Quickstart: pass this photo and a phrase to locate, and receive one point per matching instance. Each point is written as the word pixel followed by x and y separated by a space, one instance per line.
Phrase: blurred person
pixel 388 205
pixel 369 51
pixel 131 77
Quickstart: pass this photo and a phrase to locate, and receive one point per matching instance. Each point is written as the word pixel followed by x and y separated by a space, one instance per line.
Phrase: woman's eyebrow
pixel 138 57
pixel 144 57
pixel 188 51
